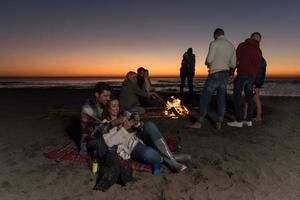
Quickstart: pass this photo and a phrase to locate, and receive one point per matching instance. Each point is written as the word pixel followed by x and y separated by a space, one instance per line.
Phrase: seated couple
pixel 137 92
pixel 106 131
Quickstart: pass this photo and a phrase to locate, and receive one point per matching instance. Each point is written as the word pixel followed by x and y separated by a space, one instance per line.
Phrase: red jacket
pixel 249 57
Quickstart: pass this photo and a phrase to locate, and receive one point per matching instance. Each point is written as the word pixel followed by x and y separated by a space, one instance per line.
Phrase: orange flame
pixel 173 108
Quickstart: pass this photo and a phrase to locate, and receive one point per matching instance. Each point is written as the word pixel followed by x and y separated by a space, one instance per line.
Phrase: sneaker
pixel 235 124
pixel 248 123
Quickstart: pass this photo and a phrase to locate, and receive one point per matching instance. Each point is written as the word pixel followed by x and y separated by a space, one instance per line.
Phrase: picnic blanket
pixel 69 152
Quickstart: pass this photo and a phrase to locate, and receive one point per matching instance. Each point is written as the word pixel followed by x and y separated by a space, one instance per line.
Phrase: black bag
pixel 113 171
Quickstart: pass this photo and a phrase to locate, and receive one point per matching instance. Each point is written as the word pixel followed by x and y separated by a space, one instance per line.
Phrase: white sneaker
pixel 235 124
pixel 248 123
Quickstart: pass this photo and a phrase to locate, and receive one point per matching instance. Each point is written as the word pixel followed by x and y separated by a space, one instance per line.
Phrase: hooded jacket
pixel 249 57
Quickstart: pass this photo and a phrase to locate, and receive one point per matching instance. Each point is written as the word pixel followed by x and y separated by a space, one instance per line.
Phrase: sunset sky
pixel 109 37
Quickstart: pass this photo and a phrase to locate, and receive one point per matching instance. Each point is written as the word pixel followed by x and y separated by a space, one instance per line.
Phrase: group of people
pixel 112 129
pixel 222 61
pixel 137 91
pixel 111 133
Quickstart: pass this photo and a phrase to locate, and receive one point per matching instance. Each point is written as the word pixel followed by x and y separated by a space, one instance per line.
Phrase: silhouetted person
pixel 187 70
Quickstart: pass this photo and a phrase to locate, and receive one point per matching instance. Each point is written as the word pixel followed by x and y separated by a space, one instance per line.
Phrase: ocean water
pixel 272 86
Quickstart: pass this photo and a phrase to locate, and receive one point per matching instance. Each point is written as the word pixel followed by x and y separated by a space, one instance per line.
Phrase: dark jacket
pixel 130 93
pixel 188 64
pixel 249 57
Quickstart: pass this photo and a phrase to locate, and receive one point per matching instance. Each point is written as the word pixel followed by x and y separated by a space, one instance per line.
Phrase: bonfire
pixel 174 108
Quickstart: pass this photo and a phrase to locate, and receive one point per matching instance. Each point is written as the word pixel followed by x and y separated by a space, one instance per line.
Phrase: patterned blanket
pixel 69 152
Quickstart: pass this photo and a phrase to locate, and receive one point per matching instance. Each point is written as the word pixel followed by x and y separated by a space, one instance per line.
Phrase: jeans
pixel 189 78
pixel 149 134
pixel 145 154
pixel 216 81
pixel 243 82
pixel 97 148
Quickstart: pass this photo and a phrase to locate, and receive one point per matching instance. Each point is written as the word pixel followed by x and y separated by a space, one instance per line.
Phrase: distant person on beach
pixel 187 71
pixel 220 59
pixel 137 140
pixel 130 94
pixel 249 57
pixel 258 83
pixel 144 82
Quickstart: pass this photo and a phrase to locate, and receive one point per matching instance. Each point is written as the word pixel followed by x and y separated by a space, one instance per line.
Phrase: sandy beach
pixel 260 162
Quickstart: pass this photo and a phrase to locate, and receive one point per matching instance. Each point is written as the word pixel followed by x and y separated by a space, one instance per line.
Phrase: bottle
pixel 94 167
pixel 156 169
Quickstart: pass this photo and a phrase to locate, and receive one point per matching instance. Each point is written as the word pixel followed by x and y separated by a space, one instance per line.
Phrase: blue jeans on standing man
pixel 243 82
pixel 216 81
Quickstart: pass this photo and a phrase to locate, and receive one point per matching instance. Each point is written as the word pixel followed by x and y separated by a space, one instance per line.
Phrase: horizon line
pixel 154 76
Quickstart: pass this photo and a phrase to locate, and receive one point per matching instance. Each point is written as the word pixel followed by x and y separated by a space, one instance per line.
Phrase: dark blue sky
pixel 153 30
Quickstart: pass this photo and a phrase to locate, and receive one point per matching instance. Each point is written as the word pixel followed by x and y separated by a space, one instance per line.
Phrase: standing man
pixel 221 57
pixel 249 58
pixel 187 70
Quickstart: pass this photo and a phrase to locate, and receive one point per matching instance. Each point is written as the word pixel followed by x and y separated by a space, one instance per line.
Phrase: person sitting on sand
pixel 92 141
pixel 91 121
pixel 127 145
pixel 130 94
pixel 135 139
pixel 144 83
pixel 258 83
pixel 93 125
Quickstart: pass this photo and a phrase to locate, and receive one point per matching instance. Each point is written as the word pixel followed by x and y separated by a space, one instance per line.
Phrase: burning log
pixel 174 108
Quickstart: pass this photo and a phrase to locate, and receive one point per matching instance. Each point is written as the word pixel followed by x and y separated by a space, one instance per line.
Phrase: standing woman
pixel 258 83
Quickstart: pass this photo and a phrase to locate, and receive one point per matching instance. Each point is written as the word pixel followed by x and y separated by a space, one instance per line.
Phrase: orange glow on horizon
pixel 91 64
pixel 91 73
pixel 76 70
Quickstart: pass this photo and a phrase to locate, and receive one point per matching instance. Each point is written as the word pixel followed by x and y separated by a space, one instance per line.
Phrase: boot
pixel 168 157
pixel 183 157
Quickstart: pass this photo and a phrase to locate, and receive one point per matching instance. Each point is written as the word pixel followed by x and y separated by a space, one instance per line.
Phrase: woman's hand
pixel 127 124
pixel 119 120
